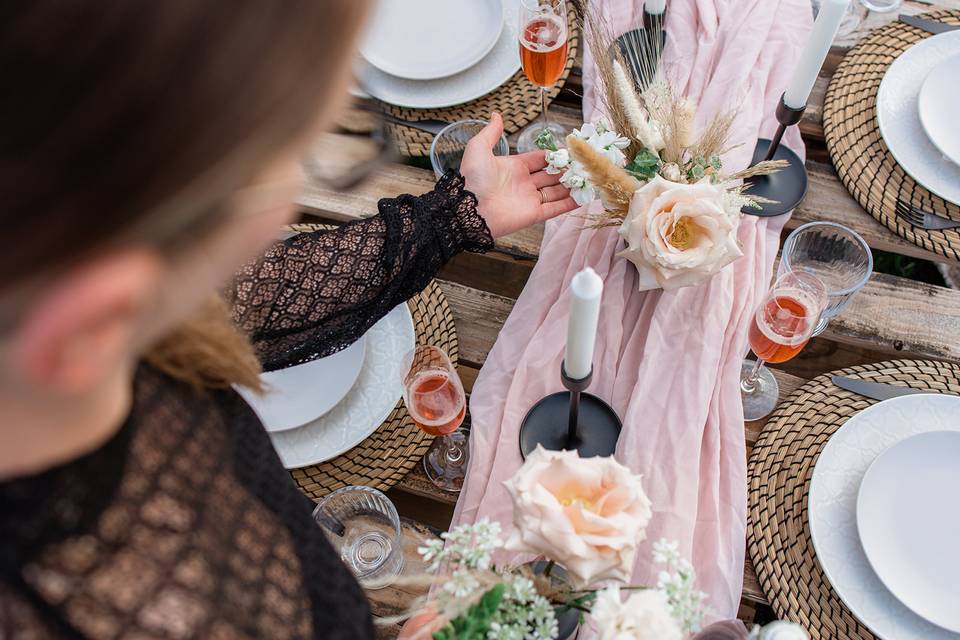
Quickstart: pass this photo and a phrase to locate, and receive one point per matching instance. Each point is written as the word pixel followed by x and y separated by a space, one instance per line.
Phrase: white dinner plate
pixel 365 407
pixel 908 516
pixel 899 117
pixel 832 508
pixel 429 39
pixel 493 70
pixel 296 395
pixel 939 105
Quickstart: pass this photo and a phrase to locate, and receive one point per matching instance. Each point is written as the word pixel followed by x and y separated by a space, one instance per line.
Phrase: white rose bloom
pixel 779 630
pixel 645 615
pixel 586 514
pixel 679 235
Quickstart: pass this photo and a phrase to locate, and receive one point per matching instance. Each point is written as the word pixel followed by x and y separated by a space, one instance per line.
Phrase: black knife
pixel 875 390
pixel 930 26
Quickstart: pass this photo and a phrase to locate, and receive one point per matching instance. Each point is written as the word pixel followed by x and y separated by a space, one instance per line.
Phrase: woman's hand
pixel 513 192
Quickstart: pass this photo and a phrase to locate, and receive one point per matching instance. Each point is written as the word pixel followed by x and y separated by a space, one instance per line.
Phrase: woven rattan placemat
pixel 778 476
pixel 864 163
pixel 390 452
pixel 517 100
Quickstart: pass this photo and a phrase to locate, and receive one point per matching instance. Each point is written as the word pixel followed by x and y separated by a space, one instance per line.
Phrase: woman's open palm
pixel 513 192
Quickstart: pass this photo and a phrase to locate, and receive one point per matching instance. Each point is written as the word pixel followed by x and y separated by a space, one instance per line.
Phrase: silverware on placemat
pixel 917 217
pixel 930 26
pixel 874 390
pixel 429 126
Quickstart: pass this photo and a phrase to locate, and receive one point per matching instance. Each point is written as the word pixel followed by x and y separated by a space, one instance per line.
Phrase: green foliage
pixel 701 167
pixel 644 166
pixel 474 624
pixel 545 140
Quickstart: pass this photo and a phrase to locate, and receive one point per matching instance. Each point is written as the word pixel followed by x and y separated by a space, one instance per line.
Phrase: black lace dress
pixel 185 524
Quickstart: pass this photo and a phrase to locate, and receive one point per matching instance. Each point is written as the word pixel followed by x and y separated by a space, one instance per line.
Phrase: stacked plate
pixel 321 409
pixel 427 54
pixel 884 515
pixel 917 106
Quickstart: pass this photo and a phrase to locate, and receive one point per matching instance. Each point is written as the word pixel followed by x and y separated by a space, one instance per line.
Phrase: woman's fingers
pixel 533 160
pixel 554 193
pixel 553 209
pixel 543 179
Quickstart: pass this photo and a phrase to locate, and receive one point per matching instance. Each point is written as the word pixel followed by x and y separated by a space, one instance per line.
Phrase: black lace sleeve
pixel 316 293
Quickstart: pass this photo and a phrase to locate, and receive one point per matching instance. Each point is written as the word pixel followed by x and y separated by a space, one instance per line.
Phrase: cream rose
pixel 587 514
pixel 646 615
pixel 779 630
pixel 677 234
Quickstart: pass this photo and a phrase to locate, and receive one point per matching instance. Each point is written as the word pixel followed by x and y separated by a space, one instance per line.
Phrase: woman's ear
pixel 83 325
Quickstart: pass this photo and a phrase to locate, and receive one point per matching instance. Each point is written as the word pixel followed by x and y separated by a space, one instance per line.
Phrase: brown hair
pixel 120 113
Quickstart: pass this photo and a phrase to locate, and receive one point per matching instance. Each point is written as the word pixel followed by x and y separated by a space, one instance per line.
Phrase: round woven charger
pixel 517 100
pixel 864 163
pixel 390 452
pixel 778 476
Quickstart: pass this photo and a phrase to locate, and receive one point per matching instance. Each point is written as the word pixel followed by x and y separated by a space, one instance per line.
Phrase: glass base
pixel 446 461
pixel 760 399
pixel 528 137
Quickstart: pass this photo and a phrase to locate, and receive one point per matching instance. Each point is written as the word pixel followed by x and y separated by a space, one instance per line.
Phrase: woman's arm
pixel 315 293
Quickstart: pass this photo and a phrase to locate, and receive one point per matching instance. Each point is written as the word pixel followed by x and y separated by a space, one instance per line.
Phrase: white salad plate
pixel 296 395
pixel 429 39
pixel 487 74
pixel 899 116
pixel 939 105
pixel 908 516
pixel 365 407
pixel 832 508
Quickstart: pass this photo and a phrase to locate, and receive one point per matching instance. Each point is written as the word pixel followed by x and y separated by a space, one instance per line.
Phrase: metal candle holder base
pixel 571 420
pixel 786 187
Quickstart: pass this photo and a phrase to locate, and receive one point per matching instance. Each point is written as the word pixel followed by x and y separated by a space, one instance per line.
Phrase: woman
pixel 151 150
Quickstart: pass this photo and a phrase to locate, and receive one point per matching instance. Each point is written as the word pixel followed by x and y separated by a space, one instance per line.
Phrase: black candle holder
pixel 571 420
pixel 786 187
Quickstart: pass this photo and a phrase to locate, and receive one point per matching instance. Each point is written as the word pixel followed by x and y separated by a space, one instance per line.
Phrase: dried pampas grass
pixel 615 184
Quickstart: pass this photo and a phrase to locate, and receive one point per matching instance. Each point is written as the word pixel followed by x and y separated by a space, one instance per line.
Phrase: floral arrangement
pixel 663 185
pixel 584 519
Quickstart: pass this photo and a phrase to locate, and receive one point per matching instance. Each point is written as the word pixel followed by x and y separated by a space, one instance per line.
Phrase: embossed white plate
pixel 939 104
pixel 428 39
pixel 296 395
pixel 832 507
pixel 490 72
pixel 365 407
pixel 908 516
pixel 899 117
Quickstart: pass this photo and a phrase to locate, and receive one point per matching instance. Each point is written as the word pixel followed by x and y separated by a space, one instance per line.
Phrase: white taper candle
pixel 655 7
pixel 585 291
pixel 815 52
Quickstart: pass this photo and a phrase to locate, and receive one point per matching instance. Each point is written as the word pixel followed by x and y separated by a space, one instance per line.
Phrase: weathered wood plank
pixel 826 199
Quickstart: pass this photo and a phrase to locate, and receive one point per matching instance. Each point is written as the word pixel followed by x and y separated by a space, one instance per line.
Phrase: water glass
pixel 838 256
pixel 446 150
pixel 363 526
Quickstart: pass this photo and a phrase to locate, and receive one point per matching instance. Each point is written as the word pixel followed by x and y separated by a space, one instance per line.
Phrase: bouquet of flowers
pixel 584 519
pixel 660 182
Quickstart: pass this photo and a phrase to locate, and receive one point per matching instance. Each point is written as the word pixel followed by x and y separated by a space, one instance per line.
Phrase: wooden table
pixel 890 317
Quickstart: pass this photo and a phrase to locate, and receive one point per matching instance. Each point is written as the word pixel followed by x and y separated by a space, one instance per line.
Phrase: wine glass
pixel 543 55
pixel 782 325
pixel 434 396
pixel 838 256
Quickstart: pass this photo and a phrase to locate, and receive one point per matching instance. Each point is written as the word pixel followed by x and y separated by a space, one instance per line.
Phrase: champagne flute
pixel 434 396
pixel 543 56
pixel 782 326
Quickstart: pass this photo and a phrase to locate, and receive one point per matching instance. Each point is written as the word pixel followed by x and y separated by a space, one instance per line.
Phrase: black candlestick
pixel 571 420
pixel 787 186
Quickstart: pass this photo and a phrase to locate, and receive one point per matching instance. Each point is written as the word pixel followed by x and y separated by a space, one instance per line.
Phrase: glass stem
pixel 749 384
pixel 452 453
pixel 543 101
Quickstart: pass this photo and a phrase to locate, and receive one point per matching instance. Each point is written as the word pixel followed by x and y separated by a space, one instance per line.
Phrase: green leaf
pixel 644 165
pixel 474 624
pixel 545 140
pixel 715 162
pixel 696 172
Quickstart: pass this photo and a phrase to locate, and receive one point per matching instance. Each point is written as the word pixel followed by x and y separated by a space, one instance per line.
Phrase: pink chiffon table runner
pixel 667 362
